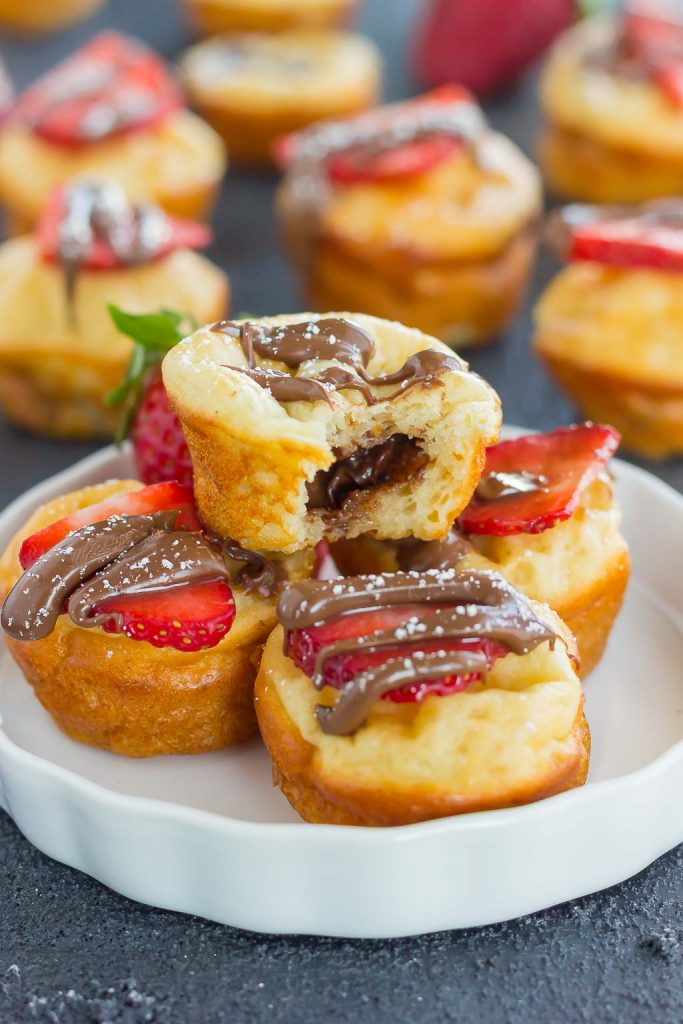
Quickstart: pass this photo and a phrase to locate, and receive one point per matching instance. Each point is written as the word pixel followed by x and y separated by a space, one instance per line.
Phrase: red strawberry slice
pixel 112 85
pixel 303 646
pixel 629 242
pixel 670 80
pixel 157 498
pixel 189 618
pixel 182 234
pixel 561 463
pixel 159 445
pixel 358 163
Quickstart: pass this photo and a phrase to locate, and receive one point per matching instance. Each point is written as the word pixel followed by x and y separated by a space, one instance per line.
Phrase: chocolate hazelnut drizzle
pixel 447 604
pixel 255 574
pixel 100 210
pixel 415 555
pixel 498 486
pixel 331 338
pixel 119 555
pixel 665 214
pixel 125 555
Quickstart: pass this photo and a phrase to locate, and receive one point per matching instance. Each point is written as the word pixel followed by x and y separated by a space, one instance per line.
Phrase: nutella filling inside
pixel 397 459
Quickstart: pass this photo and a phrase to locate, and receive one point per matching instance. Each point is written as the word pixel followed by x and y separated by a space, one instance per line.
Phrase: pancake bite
pixel 544 516
pixel 111 109
pixel 60 354
pixel 213 17
pixel 302 427
pixel 254 88
pixel 416 212
pixel 39 16
pixel 139 633
pixel 609 325
pixel 612 96
pixel 386 700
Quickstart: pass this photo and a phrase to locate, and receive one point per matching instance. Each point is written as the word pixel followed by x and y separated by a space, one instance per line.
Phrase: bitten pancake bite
pixel 111 109
pixel 60 354
pixel 211 17
pixel 411 696
pixel 609 326
pixel 612 95
pixel 44 15
pixel 254 88
pixel 302 427
pixel 416 212
pixel 544 516
pixel 138 632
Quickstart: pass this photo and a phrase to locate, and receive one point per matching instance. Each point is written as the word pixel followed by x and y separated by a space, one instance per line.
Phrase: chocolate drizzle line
pixel 256 574
pixel 330 338
pixel 419 556
pixel 100 211
pixel 498 486
pixel 666 214
pixel 119 556
pixel 448 605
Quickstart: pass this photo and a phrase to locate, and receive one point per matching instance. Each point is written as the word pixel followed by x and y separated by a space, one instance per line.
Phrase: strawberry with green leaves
pixel 159 446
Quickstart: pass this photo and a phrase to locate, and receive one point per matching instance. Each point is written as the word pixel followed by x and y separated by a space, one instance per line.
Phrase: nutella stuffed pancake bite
pixel 386 700
pixel 112 109
pixel 60 354
pixel 254 88
pixel 139 633
pixel 416 211
pixel 302 427
pixel 545 517
pixel 609 325
pixel 612 95
pixel 212 17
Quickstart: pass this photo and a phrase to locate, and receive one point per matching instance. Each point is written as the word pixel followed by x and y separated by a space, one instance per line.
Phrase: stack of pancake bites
pixel 324 540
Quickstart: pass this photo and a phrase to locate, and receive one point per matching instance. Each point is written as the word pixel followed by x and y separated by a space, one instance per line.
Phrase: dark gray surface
pixel 71 951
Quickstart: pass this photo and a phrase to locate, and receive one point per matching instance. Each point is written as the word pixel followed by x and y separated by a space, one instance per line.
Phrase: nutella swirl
pixel 100 211
pixel 447 605
pixel 331 338
pixel 255 574
pixel 118 556
pixel 421 555
pixel 497 486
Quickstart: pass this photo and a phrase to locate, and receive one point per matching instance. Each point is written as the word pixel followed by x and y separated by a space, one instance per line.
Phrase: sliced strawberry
pixel 159 445
pixel 182 234
pixel 639 241
pixel 156 498
pixel 112 85
pixel 189 618
pixel 561 463
pixel 670 80
pixel 304 645
pixel 359 163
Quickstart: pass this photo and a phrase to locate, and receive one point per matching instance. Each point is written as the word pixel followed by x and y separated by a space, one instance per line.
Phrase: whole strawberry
pixel 485 44
pixel 159 446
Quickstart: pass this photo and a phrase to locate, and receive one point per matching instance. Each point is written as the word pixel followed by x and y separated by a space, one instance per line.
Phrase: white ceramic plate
pixel 209 835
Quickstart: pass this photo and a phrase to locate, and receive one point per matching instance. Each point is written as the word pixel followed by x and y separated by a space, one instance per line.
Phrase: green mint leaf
pixel 158 331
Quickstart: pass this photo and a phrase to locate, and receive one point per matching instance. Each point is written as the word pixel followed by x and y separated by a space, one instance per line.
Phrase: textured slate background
pixel 71 951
